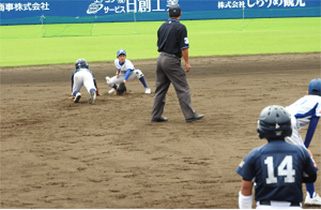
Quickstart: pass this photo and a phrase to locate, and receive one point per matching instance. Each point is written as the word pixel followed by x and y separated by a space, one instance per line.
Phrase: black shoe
pixel 161 119
pixel 197 117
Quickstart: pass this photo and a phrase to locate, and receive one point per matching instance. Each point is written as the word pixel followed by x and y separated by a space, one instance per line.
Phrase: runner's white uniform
pixel 82 77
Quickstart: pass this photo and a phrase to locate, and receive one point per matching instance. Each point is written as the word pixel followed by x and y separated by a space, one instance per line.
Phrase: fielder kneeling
pixel 277 168
pixel 125 71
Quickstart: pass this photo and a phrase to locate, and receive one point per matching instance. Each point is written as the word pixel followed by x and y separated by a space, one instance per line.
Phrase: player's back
pixel 278 171
pixel 305 108
pixel 81 70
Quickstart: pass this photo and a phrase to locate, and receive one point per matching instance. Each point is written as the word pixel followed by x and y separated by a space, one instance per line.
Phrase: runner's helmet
pixel 81 63
pixel 274 123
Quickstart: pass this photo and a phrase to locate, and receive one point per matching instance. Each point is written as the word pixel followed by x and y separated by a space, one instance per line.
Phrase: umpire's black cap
pixel 174 10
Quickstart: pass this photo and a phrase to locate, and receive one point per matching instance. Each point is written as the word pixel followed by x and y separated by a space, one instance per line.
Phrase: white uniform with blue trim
pixel 126 70
pixel 83 77
pixel 306 110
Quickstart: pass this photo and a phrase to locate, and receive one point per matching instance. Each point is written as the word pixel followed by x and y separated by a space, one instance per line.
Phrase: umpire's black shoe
pixel 197 117
pixel 161 119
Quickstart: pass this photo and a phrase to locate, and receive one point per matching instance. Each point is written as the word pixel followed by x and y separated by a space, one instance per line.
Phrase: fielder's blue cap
pixel 315 87
pixel 121 52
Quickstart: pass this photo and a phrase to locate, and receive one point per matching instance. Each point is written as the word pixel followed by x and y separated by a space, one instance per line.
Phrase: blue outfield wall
pixel 14 12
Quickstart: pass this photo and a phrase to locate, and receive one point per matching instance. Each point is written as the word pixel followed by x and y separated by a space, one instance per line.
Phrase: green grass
pixel 23 45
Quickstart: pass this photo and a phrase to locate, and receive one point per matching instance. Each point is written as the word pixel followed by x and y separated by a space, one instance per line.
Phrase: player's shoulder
pixel 117 64
pixel 312 101
pixel 315 98
pixel 181 25
pixel 164 25
pixel 295 147
pixel 298 150
pixel 256 151
pixel 274 147
pixel 306 101
pixel 310 97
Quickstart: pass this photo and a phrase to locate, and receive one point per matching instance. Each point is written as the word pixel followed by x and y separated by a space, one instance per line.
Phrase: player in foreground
pixel 125 71
pixel 307 111
pixel 277 168
pixel 82 76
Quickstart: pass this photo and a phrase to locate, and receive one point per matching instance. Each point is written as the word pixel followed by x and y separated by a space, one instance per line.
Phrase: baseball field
pixel 65 43
pixel 57 154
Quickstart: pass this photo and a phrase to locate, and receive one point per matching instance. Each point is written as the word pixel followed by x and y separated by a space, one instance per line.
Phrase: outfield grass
pixel 24 45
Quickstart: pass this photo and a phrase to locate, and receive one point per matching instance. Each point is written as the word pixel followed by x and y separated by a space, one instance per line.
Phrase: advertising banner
pixel 69 11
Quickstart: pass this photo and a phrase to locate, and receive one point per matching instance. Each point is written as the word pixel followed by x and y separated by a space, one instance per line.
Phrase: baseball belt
pixel 169 55
pixel 268 203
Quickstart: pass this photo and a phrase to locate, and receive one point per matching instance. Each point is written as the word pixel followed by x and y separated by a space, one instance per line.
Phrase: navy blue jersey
pixel 277 169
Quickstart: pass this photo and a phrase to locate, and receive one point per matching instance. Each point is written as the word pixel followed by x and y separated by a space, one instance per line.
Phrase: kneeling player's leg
pixel 112 82
pixel 89 83
pixel 137 73
pixel 78 82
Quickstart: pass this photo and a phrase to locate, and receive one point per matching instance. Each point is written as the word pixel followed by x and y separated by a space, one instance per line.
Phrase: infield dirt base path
pixel 57 154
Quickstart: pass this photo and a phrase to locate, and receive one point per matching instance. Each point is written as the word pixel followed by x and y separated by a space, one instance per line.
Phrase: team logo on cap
pixel 120 52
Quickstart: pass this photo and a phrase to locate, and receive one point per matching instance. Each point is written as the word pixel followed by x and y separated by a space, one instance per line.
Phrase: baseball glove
pixel 121 88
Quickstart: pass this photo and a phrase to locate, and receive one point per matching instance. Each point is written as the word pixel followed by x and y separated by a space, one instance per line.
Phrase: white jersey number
pixel 284 169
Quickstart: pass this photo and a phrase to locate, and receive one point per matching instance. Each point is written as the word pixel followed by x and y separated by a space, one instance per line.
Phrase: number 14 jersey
pixel 277 169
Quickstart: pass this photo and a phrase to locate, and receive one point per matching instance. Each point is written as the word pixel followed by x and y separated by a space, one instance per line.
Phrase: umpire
pixel 172 45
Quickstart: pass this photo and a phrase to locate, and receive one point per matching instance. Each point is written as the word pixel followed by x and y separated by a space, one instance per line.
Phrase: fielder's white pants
pixel 278 205
pixel 134 74
pixel 83 78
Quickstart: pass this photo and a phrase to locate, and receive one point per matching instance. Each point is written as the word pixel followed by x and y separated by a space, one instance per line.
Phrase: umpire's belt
pixel 169 55
pixel 268 203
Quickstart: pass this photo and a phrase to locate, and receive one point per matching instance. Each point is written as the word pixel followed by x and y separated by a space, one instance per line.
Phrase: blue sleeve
pixel 310 165
pixel 128 73
pixel 312 126
pixel 246 169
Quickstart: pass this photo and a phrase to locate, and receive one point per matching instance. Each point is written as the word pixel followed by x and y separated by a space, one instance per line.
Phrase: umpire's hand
pixel 188 67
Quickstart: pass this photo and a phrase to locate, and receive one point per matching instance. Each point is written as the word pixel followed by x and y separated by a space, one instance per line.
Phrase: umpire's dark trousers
pixel 169 70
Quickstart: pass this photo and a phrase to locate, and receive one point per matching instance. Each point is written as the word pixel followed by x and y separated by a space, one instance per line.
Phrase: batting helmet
pixel 274 123
pixel 81 63
pixel 315 87
pixel 121 52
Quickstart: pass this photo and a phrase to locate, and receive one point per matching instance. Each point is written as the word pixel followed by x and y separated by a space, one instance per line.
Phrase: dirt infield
pixel 57 154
